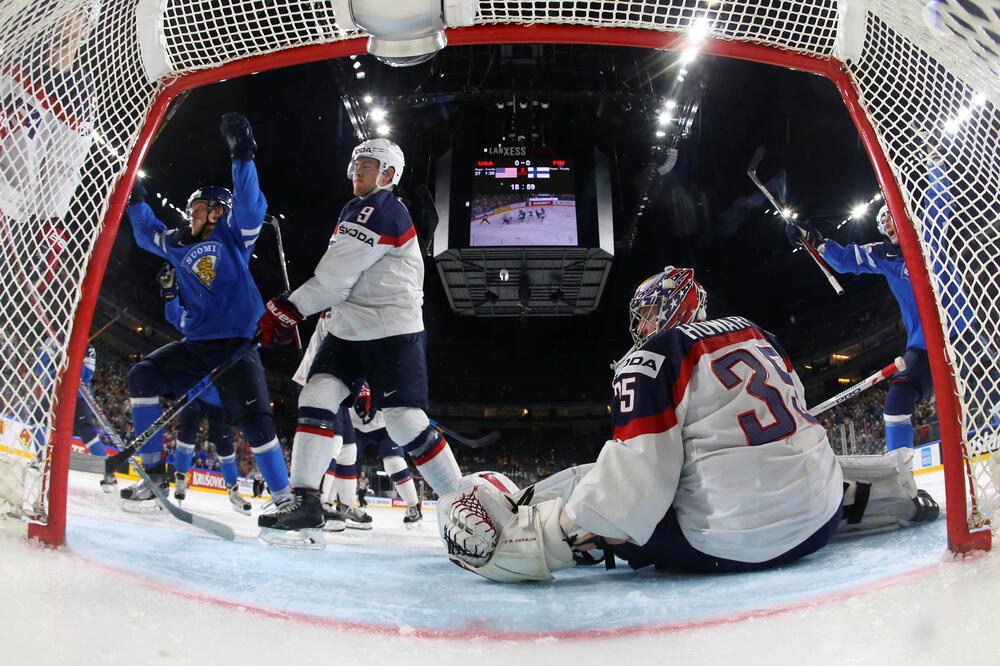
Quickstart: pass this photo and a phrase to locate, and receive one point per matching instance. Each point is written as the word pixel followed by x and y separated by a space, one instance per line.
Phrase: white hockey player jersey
pixel 45 133
pixel 710 418
pixel 372 272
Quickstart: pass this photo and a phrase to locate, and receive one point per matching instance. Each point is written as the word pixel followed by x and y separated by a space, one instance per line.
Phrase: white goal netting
pixel 78 79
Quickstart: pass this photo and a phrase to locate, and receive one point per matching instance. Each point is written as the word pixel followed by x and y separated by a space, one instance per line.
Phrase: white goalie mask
pixel 388 154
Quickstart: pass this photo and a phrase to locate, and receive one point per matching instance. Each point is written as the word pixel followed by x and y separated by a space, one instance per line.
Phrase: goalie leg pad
pixel 881 494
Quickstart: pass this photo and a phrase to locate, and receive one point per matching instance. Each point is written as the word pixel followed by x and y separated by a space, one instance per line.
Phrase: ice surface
pixel 152 590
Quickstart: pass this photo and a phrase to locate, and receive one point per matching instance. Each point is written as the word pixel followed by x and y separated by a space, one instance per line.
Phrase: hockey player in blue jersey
pixel 372 276
pixel 83 419
pixel 222 305
pixel 914 383
pixel 714 463
pixel 204 405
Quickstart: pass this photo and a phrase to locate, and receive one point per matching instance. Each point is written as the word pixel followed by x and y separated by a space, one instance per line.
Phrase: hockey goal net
pixel 84 84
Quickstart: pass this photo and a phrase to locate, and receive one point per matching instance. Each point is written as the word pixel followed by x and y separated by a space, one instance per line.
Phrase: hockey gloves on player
pixel 363 402
pixel 798 230
pixel 138 194
pixel 277 325
pixel 167 278
pixel 236 131
pixel 488 533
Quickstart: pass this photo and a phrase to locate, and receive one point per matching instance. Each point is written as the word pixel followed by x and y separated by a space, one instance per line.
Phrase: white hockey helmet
pixel 883 213
pixel 679 298
pixel 388 154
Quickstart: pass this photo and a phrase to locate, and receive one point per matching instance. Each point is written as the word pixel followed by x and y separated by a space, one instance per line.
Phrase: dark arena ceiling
pixel 694 208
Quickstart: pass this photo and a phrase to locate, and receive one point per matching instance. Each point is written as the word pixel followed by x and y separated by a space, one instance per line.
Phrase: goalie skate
pixel 240 504
pixel 139 497
pixel 413 518
pixel 296 522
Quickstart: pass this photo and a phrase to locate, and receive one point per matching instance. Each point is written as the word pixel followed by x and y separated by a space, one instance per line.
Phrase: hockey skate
pixel 355 519
pixel 240 504
pixel 109 482
pixel 180 486
pixel 296 521
pixel 139 497
pixel 333 520
pixel 413 518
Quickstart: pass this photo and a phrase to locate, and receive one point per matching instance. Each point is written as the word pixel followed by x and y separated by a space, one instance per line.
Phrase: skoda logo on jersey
pixel 643 362
pixel 202 260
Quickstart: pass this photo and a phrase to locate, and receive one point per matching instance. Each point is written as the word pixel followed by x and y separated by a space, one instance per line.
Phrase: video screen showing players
pixel 521 202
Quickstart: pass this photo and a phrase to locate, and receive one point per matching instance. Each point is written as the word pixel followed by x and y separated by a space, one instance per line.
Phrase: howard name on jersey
pixel 372 272
pixel 709 418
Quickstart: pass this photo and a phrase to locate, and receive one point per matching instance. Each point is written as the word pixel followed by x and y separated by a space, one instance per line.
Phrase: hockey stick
pixel 471 442
pixel 888 371
pixel 103 328
pixel 114 461
pixel 218 529
pixel 273 221
pixel 752 172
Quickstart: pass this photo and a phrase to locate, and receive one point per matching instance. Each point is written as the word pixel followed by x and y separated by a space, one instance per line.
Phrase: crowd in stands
pixel 523 463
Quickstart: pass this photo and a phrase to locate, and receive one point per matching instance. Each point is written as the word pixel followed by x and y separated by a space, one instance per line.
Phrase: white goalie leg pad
pixel 880 491
pixel 487 534
pixel 561 484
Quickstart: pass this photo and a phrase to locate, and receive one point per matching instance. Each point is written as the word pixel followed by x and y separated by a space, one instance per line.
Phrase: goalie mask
pixel 883 215
pixel 388 154
pixel 214 195
pixel 667 299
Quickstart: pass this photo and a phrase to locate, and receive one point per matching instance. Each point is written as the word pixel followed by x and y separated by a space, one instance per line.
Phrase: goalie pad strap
pixel 854 512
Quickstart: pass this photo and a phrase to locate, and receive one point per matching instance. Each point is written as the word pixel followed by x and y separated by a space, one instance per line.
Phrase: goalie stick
pixel 888 371
pixel 752 173
pixel 114 461
pixel 218 529
pixel 471 442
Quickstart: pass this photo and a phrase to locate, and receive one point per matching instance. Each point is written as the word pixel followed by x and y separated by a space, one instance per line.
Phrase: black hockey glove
pixel 138 194
pixel 236 131
pixel 363 401
pixel 167 278
pixel 277 325
pixel 180 236
pixel 799 230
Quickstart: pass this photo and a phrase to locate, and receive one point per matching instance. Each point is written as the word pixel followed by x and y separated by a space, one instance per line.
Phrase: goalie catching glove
pixel 490 533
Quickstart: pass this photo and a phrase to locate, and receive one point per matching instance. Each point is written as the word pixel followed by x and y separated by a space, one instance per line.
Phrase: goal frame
pixel 960 538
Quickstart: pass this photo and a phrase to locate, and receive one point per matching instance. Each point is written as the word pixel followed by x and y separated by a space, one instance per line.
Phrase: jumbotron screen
pixel 520 201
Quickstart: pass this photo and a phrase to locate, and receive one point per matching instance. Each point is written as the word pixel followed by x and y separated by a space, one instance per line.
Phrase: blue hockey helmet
pixel 678 298
pixel 214 195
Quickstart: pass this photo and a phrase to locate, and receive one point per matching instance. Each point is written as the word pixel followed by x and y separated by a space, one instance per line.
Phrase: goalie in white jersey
pixel 714 465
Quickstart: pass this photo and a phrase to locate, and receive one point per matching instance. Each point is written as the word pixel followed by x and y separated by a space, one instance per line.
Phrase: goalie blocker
pixel 510 536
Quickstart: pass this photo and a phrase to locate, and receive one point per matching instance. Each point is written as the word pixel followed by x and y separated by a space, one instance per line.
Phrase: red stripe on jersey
pixel 309 430
pixel 400 241
pixel 433 452
pixel 346 476
pixel 667 419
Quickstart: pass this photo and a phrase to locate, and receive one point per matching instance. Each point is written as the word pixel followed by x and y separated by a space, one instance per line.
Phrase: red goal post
pixel 901 74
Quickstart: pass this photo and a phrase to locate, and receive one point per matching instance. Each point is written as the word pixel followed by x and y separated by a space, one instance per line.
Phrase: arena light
pixel 378 114
pixel 404 32
pixel 383 130
pixel 368 99
pixel 859 211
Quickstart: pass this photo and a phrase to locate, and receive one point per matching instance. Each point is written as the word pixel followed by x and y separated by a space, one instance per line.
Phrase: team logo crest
pixel 25 437
pixel 202 261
